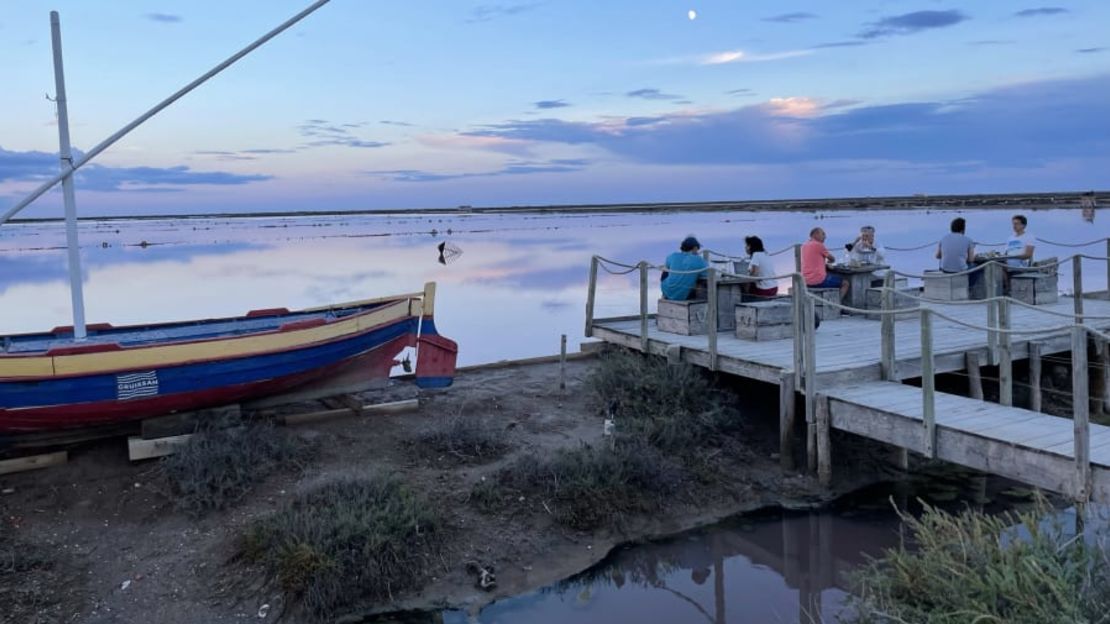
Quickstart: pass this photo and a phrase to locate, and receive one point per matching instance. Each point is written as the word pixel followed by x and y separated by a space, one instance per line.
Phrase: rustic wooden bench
pixel 771 319
pixel 943 286
pixel 688 318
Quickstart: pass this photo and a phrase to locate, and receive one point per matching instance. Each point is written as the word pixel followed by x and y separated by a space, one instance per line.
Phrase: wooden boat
pixel 119 374
pixel 86 375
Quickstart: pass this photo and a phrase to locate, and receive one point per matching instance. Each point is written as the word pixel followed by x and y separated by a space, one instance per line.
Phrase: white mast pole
pixel 106 143
pixel 66 154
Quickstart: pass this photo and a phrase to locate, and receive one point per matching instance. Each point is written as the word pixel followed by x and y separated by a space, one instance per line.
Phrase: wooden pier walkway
pixel 858 366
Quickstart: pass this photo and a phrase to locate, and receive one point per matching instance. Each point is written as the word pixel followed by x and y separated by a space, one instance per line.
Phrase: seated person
pixel 956 251
pixel 759 264
pixel 864 250
pixel 1019 247
pixel 682 270
pixel 815 258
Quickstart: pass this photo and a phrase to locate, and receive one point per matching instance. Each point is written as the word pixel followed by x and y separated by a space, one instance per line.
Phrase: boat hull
pixel 110 384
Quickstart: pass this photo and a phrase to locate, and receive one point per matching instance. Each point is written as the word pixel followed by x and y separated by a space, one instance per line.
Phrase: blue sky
pixel 369 105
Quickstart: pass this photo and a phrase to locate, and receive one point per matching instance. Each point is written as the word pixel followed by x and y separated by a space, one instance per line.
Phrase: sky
pixel 432 104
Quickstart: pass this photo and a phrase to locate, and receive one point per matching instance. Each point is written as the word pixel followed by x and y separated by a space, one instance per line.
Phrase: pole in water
pixel 66 154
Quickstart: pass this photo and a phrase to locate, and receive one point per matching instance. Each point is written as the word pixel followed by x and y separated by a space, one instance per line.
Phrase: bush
pixel 218 467
pixel 1018 568
pixel 587 487
pixel 673 407
pixel 346 541
pixel 461 440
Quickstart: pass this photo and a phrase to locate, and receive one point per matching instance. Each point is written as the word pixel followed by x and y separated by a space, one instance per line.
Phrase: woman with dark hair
pixel 759 265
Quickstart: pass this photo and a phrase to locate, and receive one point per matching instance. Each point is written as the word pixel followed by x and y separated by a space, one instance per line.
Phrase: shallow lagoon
pixel 519 283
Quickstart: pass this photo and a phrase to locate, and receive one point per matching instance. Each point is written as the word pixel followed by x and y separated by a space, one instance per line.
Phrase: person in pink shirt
pixel 815 257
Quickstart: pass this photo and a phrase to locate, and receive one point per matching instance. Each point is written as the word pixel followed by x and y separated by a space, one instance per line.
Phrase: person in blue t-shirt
pixel 678 286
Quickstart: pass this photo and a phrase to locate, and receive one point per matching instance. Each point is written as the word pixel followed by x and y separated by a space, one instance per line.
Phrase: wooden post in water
pixel 824 442
pixel 974 375
pixel 811 382
pixel 591 294
pixel 643 306
pixel 1005 357
pixel 563 363
pixel 1077 286
pixel 928 384
pixel 888 363
pixel 786 421
pixel 1035 376
pixel 712 278
pixel 1082 429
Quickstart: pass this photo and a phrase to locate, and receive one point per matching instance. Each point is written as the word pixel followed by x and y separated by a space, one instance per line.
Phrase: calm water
pixel 770 568
pixel 519 283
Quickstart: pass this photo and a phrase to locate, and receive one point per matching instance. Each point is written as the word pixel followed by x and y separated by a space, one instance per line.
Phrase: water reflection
pixel 774 567
pixel 520 284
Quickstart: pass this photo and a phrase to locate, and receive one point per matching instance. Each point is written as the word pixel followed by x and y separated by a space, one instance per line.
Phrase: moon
pixel 692 14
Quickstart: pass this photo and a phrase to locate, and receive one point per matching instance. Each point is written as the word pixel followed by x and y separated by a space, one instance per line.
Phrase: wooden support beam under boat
pixel 33 462
pixel 394 407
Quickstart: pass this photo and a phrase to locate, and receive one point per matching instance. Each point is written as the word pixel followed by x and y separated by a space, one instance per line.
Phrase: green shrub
pixel 587 487
pixel 1017 568
pixel 351 540
pixel 461 440
pixel 219 466
pixel 671 406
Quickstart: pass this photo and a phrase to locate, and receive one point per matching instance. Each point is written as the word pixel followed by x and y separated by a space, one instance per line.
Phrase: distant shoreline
pixel 913 202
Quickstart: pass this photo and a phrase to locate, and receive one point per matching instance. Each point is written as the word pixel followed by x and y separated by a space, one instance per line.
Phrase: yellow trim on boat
pixel 169 355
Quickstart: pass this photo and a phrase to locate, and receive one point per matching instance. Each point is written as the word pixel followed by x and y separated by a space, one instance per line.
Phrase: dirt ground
pixel 117 551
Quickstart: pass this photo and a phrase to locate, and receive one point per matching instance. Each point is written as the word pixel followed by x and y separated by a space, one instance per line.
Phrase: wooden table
pixel 859 279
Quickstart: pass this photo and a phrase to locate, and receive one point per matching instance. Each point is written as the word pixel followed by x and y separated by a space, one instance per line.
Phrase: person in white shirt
pixel 864 250
pixel 759 265
pixel 1019 247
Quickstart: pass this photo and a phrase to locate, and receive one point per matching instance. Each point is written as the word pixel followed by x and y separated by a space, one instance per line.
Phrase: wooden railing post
pixel 888 365
pixel 712 313
pixel 591 296
pixel 991 288
pixel 644 306
pixel 1080 406
pixel 797 300
pixel 1005 357
pixel 809 314
pixel 1077 286
pixel 1108 269
pixel 1035 376
pixel 797 257
pixel 928 384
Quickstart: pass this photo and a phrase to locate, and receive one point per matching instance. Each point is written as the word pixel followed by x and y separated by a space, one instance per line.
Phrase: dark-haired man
pixel 956 251
pixel 682 270
pixel 1019 247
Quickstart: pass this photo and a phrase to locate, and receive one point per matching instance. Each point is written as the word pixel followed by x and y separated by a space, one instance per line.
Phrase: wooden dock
pixel 853 382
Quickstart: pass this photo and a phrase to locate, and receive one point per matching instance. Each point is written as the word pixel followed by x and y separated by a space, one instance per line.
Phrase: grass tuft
pixel 347 541
pixel 1016 567
pixel 461 440
pixel 673 407
pixel 587 487
pixel 218 467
